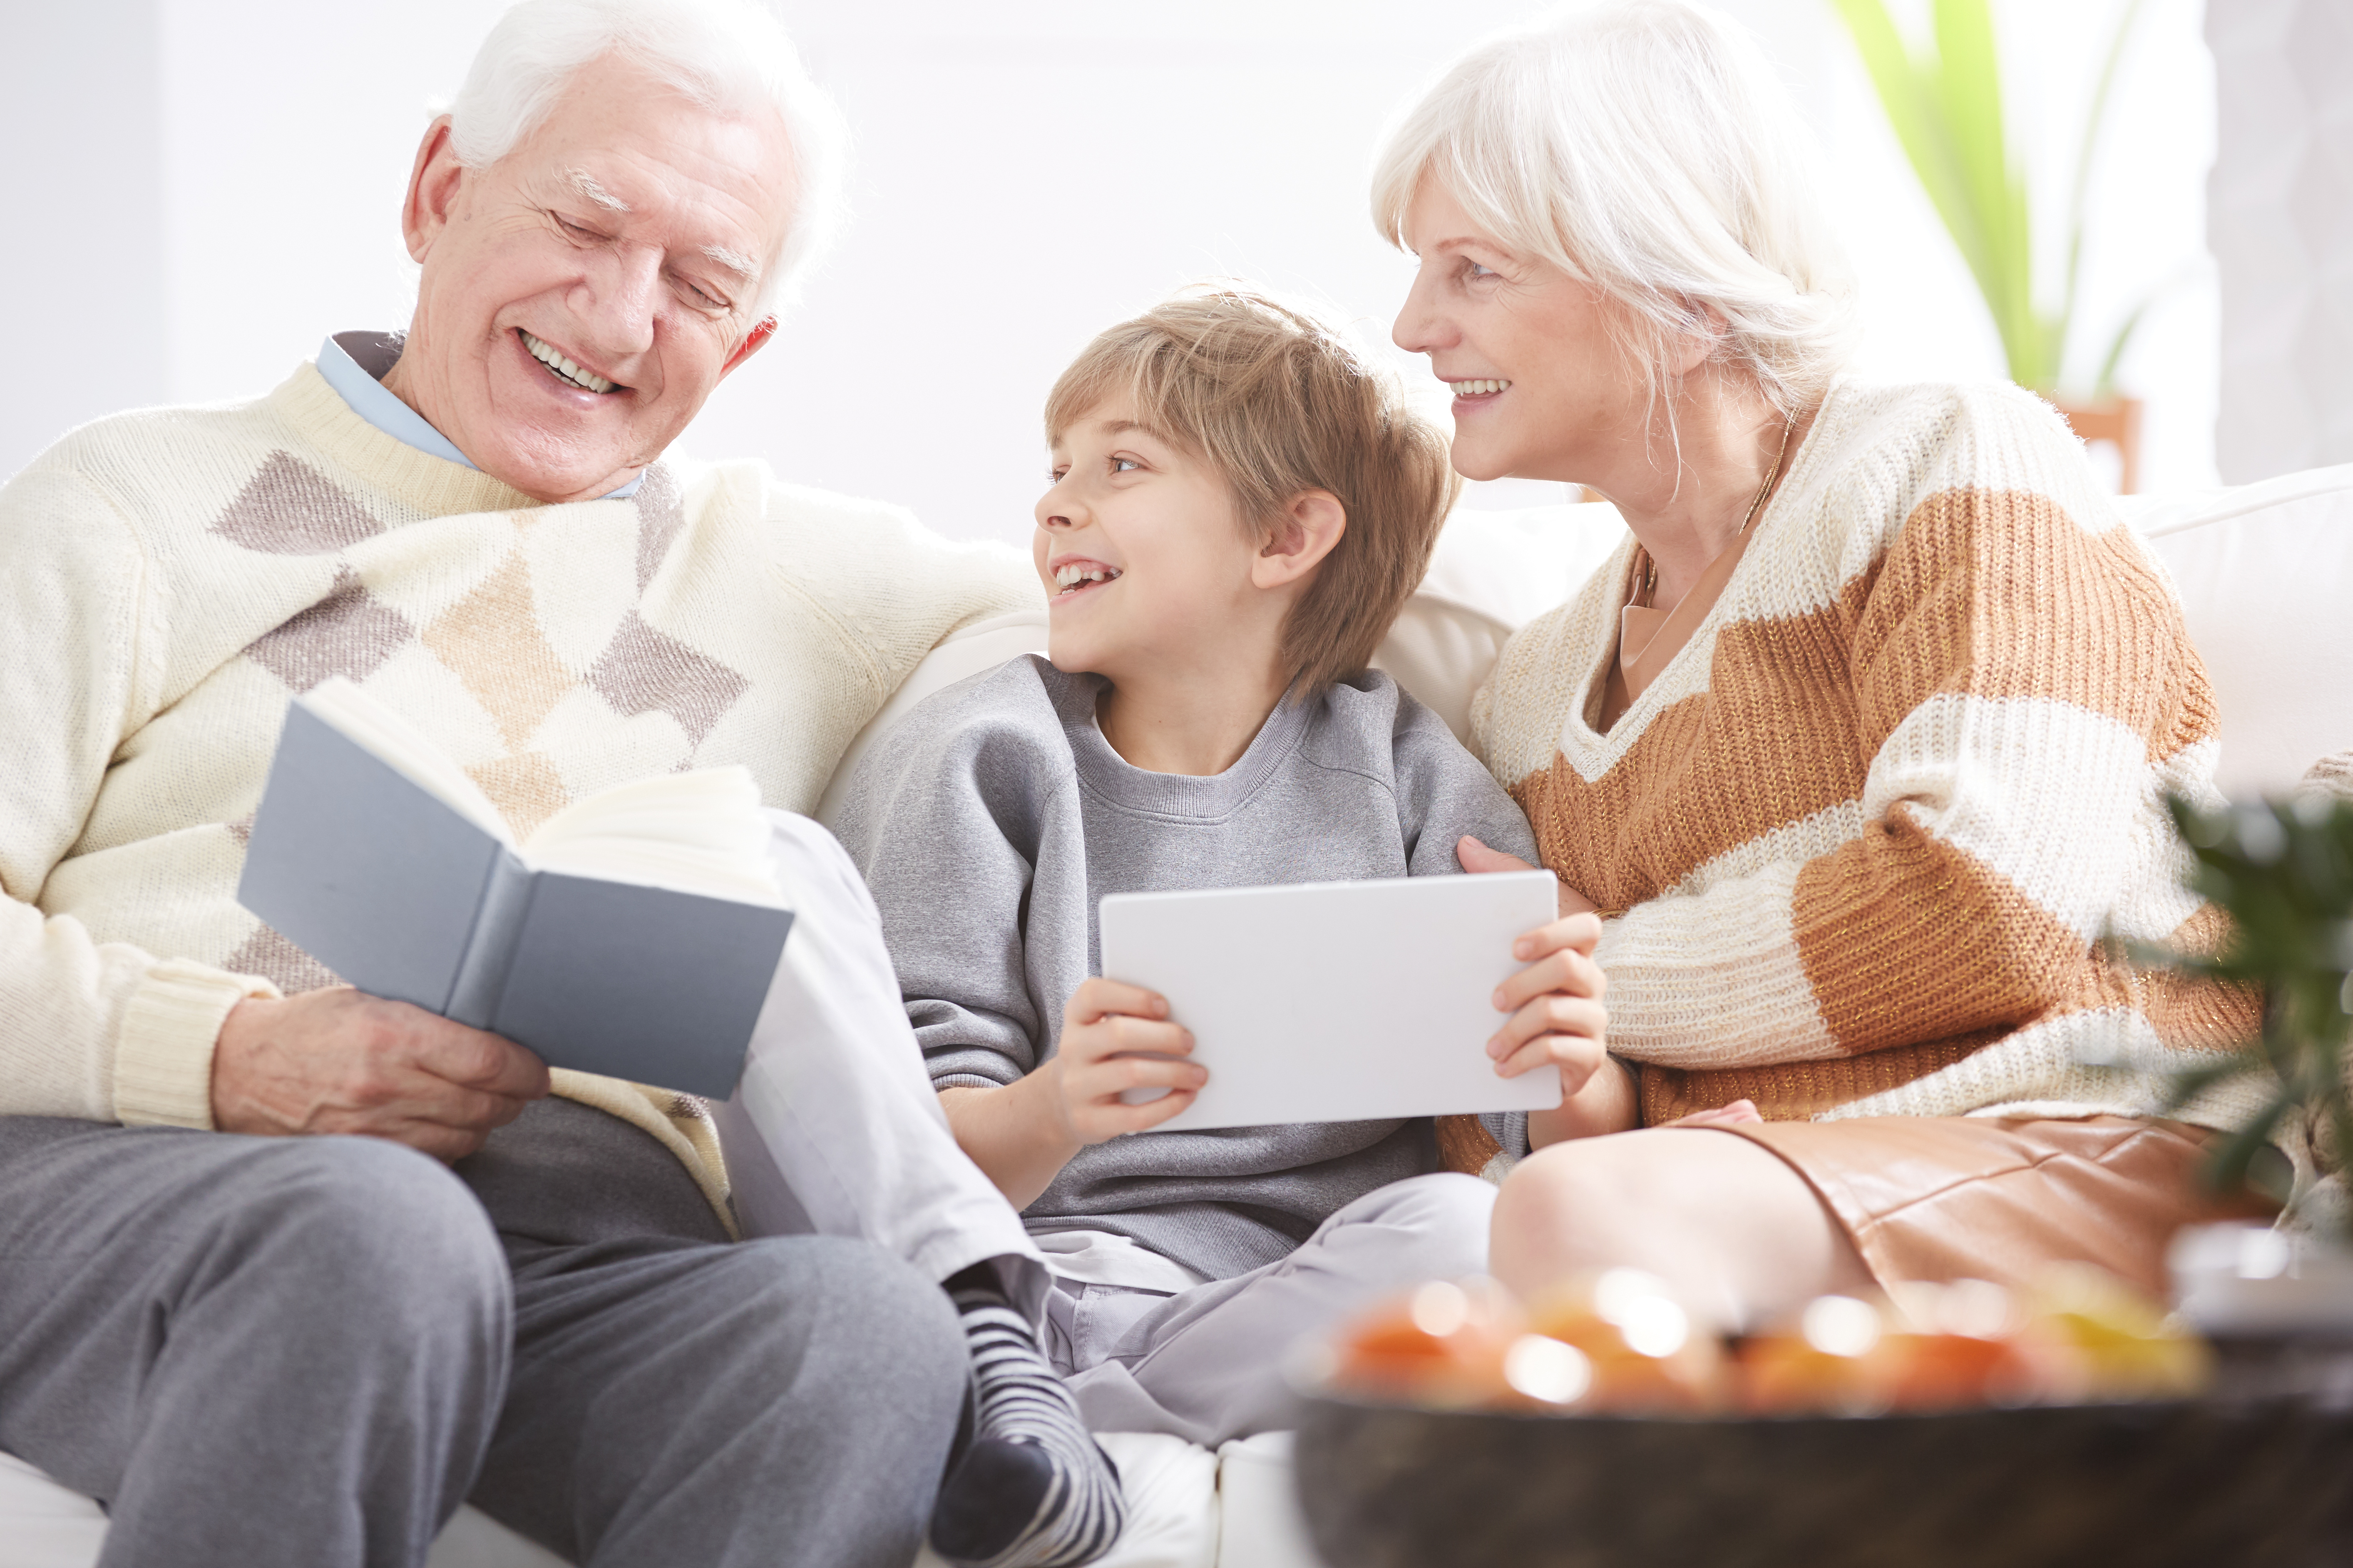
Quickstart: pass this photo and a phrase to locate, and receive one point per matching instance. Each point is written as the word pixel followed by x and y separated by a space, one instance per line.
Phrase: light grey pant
pixel 1205 1363
pixel 303 1352
pixel 836 1128
pixel 267 1353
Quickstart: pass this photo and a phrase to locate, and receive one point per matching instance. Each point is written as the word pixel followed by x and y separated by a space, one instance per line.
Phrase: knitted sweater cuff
pixel 164 1060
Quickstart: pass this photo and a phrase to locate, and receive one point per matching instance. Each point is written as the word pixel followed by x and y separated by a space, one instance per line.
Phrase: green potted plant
pixel 2283 871
pixel 1945 105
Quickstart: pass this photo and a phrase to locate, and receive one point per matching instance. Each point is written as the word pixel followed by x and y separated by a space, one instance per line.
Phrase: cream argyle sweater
pixel 1858 844
pixel 169 579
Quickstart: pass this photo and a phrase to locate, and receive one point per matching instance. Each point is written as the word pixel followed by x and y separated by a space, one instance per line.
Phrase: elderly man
pixel 267 1349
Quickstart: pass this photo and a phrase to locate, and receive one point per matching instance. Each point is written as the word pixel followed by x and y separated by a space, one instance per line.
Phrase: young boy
pixel 1241 505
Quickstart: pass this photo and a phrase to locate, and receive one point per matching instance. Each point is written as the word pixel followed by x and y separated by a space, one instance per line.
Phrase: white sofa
pixel 2265 572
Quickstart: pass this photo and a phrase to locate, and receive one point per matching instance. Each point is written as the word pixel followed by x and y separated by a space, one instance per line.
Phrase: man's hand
pixel 1478 859
pixel 339 1061
pixel 1105 1024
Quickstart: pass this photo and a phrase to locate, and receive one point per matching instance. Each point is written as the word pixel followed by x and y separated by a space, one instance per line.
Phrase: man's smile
pixel 559 365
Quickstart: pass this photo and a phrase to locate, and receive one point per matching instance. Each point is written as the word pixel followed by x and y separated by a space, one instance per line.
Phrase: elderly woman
pixel 1858 743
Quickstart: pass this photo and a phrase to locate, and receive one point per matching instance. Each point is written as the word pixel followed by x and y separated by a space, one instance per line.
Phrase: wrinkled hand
pixel 1102 1025
pixel 341 1061
pixel 1478 859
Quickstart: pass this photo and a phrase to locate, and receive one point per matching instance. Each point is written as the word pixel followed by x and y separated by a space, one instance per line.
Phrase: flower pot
pixel 2116 420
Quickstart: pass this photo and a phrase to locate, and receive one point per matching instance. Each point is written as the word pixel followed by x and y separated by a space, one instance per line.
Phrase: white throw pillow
pixel 982 646
pixel 1493 572
pixel 2266 574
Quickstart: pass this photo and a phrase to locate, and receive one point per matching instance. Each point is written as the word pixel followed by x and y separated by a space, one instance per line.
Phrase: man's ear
pixel 751 343
pixel 1308 530
pixel 433 187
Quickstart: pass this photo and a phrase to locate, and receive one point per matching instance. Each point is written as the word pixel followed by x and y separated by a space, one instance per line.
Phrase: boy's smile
pixel 1076 574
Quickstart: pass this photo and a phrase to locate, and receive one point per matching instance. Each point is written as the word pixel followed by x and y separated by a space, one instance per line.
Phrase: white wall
pixel 1025 175
pixel 2283 227
pixel 81 303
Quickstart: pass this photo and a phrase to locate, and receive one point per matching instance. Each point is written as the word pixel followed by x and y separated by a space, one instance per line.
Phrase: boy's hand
pixel 1478 859
pixel 1117 1037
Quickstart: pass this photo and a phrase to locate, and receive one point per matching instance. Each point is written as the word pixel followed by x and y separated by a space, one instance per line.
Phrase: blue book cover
pixel 406 896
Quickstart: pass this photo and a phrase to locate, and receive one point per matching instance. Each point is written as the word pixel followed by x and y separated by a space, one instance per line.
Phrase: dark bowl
pixel 2259 1475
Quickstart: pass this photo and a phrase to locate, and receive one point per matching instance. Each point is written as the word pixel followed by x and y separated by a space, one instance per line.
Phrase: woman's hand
pixel 1555 1005
pixel 1116 1038
pixel 1732 1115
pixel 1556 1014
pixel 1478 859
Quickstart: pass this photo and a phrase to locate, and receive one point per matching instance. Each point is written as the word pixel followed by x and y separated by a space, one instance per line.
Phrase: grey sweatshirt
pixel 993 819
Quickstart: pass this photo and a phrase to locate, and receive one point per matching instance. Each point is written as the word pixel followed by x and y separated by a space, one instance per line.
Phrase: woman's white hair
pixel 1648 149
pixel 731 57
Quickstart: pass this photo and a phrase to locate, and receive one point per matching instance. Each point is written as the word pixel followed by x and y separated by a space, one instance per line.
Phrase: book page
pixel 401 746
pixel 698 832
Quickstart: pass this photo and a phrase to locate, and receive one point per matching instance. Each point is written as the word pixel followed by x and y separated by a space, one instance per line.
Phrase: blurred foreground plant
pixel 2283 871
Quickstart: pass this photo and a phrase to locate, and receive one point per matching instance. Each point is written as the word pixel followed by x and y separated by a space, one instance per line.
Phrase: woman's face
pixel 1541 391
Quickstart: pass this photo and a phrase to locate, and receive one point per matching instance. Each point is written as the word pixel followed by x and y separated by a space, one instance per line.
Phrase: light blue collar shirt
pixel 354 364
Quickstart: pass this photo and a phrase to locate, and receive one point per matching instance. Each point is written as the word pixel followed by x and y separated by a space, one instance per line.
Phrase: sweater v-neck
pixel 1649 639
pixel 1663 641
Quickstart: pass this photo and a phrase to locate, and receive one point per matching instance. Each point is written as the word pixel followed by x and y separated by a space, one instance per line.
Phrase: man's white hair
pixel 729 55
pixel 1647 149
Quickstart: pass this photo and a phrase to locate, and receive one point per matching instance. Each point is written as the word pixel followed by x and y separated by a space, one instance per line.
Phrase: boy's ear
pixel 1302 535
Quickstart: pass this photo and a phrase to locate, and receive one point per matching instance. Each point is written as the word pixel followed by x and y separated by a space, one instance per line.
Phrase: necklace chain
pixel 1771 475
pixel 1651 566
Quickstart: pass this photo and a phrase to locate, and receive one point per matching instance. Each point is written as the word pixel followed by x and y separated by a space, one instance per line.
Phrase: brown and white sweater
pixel 169 579
pixel 1859 843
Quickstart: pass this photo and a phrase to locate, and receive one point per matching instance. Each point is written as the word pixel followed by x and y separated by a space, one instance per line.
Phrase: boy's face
pixel 1144 563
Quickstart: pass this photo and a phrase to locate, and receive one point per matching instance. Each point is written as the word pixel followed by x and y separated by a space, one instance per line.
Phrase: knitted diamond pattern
pixel 490 637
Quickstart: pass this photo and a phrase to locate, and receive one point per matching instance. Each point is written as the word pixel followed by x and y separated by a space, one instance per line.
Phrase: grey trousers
pixel 303 1352
pixel 1205 1363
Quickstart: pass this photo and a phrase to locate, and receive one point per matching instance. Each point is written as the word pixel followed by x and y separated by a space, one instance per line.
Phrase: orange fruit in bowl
pixel 1642 1348
pixel 1966 1343
pixel 1836 1358
pixel 1443 1345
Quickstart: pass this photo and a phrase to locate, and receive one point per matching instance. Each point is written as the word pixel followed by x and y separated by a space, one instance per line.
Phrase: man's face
pixel 582 296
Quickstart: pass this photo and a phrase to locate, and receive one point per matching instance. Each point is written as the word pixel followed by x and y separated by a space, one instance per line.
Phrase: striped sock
pixel 1032 1490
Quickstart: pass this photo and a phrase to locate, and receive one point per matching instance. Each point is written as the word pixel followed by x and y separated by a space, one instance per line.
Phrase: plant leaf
pixel 1908 94
pixel 1968 85
pixel 2094 120
pixel 2227 1163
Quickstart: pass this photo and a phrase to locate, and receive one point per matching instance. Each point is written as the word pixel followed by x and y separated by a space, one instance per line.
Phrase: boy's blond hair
pixel 1279 402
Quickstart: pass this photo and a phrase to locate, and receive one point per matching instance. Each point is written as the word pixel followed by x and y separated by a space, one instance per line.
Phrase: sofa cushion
pixel 968 651
pixel 2265 573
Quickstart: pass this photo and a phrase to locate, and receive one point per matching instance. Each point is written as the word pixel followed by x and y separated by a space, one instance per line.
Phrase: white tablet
pixel 1336 1001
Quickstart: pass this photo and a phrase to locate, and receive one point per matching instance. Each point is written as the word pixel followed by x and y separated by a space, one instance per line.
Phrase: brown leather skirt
pixel 1949 1197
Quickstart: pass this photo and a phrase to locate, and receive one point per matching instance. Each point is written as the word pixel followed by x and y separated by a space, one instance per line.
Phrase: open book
pixel 633 935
